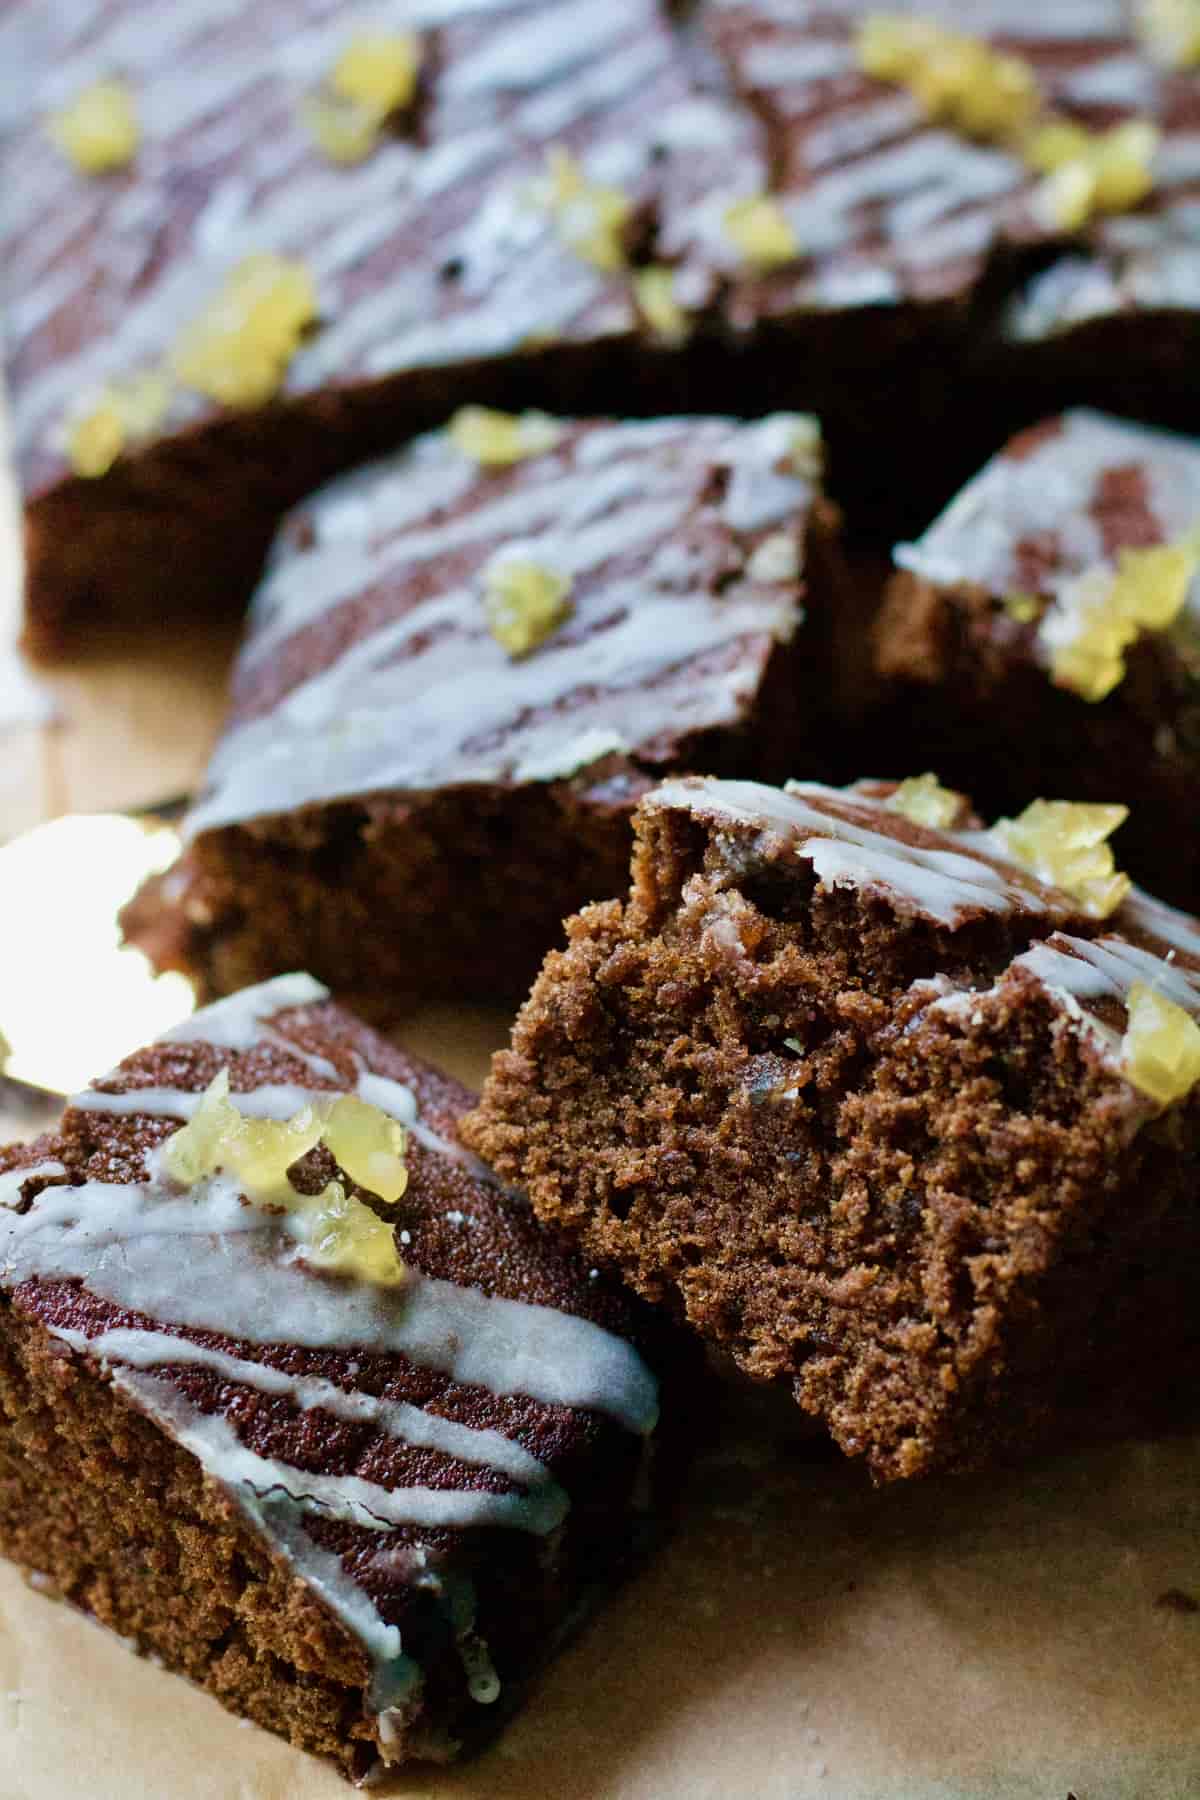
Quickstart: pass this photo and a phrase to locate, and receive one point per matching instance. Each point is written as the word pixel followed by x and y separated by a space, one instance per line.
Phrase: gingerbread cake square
pixel 1042 635
pixel 296 1397
pixel 852 1087
pixel 466 666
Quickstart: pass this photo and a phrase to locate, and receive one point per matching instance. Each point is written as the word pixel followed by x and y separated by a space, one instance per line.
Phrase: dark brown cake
pixel 879 1112
pixel 357 1503
pixel 1042 635
pixel 594 205
pixel 458 681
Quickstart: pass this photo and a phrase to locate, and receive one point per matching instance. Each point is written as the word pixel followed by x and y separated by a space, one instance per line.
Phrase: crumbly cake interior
pixel 922 1218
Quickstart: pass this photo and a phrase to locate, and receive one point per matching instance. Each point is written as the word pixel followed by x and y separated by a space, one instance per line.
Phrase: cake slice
pixel 1044 634
pixel 297 1398
pixel 850 1087
pixel 466 666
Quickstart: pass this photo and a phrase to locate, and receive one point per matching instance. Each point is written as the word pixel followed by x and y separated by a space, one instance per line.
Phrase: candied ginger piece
pixel 1170 30
pixel 496 439
pixel 1100 614
pixel 589 216
pixel 96 438
pixel 237 352
pixel 98 131
pixel 122 413
pixel 958 80
pixel 654 288
pixel 345 132
pixel 924 800
pixel 1160 1051
pixel 368 1145
pixel 524 602
pixel 374 77
pixel 761 231
pixel 378 71
pixel 1063 843
pixel 1090 172
pixel 806 447
pixel 339 1234
pixel 336 1230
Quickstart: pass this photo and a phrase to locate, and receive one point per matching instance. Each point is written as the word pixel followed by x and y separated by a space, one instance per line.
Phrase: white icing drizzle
pixel 236 1023
pixel 137 1349
pixel 1048 492
pixel 205 1261
pixel 854 842
pixel 14 1180
pixel 655 647
pixel 220 1452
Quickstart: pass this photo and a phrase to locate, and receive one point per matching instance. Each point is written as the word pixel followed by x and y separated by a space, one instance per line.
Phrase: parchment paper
pixel 802 1638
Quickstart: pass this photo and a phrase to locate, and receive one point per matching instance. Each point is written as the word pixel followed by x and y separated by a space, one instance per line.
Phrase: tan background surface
pixel 801 1639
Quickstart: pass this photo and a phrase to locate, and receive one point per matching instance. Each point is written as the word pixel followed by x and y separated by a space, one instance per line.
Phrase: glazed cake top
pixel 362 1428
pixel 852 838
pixel 888 204
pixel 444 244
pixel 370 662
pixel 1063 497
pixel 453 239
pixel 1085 533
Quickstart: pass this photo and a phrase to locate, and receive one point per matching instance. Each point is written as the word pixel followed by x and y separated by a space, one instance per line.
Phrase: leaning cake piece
pixel 467 665
pixel 1044 634
pixel 294 1395
pixel 880 1111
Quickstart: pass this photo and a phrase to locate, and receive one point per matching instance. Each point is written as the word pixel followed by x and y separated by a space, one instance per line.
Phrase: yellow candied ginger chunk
pixel 958 80
pixel 344 132
pixel 589 216
pixel 1103 612
pixel 337 1231
pixel 1024 608
pixel 924 800
pixel 762 232
pixel 496 439
pixel 1160 1052
pixel 524 602
pixel 257 1152
pixel 1170 30
pixel 120 414
pixel 654 288
pixel 1089 172
pixel 369 1146
pixel 237 352
pixel 806 447
pixel 345 1237
pixel 99 129
pixel 374 77
pixel 1063 843
pixel 378 71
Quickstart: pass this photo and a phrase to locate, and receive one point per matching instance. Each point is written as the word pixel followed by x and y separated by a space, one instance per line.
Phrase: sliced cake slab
pixel 297 1398
pixel 248 249
pixel 1042 636
pixel 852 1087
pixel 467 665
